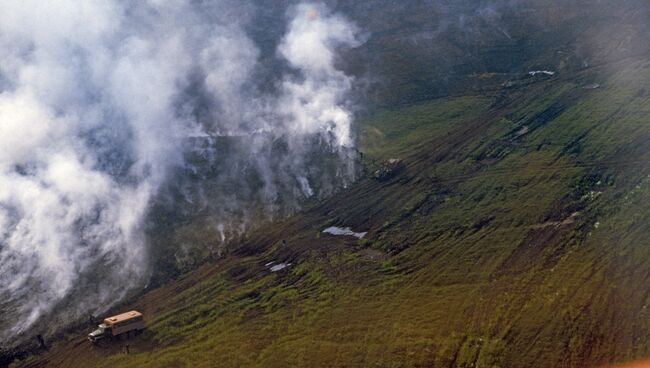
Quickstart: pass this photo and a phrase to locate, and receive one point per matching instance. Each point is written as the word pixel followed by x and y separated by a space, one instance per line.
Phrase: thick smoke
pixel 282 147
pixel 99 103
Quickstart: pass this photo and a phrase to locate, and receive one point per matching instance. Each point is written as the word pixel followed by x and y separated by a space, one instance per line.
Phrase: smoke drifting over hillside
pixel 101 100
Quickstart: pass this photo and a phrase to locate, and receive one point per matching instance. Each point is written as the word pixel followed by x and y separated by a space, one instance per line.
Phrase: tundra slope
pixel 494 246
pixel 514 235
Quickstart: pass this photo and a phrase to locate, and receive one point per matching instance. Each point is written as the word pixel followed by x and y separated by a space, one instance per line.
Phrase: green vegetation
pixel 394 132
pixel 515 236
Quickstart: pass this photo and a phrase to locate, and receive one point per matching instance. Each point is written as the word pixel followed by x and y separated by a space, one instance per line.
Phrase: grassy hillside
pixel 514 234
pixel 414 52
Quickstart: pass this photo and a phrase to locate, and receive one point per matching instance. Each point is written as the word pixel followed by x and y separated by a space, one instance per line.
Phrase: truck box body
pixel 125 322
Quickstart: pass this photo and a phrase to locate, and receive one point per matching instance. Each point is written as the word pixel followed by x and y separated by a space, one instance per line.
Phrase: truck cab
pixel 102 332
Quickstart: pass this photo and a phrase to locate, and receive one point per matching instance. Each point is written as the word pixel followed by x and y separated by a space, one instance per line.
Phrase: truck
pixel 118 325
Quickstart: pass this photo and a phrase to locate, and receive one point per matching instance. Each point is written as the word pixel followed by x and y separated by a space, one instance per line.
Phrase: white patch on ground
pixel 536 72
pixel 568 221
pixel 279 267
pixel 269 264
pixel 591 195
pixel 522 131
pixel 346 231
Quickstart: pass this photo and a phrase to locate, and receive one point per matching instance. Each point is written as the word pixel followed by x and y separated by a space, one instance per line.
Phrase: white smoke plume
pixel 313 102
pixel 99 99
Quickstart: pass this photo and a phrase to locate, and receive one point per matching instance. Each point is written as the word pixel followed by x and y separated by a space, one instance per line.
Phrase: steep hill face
pixel 414 51
pixel 506 219
pixel 422 49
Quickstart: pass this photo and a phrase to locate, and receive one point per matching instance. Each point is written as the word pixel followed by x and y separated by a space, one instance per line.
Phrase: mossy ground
pixel 515 236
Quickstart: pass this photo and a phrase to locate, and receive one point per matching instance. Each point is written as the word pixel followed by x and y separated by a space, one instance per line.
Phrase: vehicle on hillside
pixel 118 325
